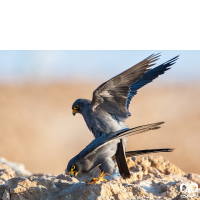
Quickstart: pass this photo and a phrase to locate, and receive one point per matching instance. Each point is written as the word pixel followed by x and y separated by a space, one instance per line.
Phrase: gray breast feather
pixel 101 122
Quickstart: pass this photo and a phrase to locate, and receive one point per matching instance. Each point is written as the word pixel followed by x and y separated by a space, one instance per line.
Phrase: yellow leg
pixel 97 180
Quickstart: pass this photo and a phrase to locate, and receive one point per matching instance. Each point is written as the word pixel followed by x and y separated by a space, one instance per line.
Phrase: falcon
pixel 109 107
pixel 102 150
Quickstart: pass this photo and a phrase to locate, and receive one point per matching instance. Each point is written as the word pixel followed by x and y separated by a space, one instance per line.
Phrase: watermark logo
pixel 189 190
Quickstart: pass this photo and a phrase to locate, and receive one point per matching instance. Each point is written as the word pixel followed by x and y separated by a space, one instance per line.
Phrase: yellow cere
pixel 73 170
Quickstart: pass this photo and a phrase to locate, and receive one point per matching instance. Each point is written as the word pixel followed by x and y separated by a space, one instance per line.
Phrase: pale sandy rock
pixel 151 178
pixel 6 173
pixel 164 165
pixel 154 171
pixel 4 166
pixel 31 188
pixel 80 191
pixel 143 162
pixel 171 189
pixel 133 165
pixel 67 178
pixel 46 176
pixel 194 177
pixel 158 162
pixel 63 184
pixel 17 167
pixel 123 195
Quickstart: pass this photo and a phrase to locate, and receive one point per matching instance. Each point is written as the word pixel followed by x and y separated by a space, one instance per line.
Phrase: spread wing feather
pixel 115 95
pixel 112 95
pixel 148 77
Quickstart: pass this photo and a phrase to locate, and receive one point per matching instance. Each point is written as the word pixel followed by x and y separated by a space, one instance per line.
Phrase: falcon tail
pixel 121 161
pixel 120 156
pixel 145 151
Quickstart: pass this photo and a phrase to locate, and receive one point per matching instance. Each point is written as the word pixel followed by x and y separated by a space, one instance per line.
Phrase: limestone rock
pixel 31 188
pixel 6 173
pixel 194 177
pixel 17 167
pixel 164 166
pixel 157 162
pixel 152 177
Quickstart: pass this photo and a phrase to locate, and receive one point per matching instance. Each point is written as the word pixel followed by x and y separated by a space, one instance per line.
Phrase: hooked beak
pixel 73 173
pixel 74 112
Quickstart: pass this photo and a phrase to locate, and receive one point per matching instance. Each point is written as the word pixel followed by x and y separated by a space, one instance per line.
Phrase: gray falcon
pixel 101 152
pixel 109 107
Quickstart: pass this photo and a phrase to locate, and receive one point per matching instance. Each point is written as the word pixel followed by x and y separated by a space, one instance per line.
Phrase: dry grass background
pixel 37 127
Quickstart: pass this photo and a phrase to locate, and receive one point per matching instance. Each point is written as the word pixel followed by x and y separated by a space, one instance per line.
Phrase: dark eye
pixel 73 167
pixel 76 107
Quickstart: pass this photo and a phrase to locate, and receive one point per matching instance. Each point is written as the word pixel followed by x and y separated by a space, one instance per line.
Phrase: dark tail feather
pixel 146 151
pixel 141 152
pixel 121 161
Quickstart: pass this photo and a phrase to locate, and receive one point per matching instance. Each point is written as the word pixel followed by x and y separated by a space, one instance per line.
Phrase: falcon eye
pixel 73 167
pixel 76 107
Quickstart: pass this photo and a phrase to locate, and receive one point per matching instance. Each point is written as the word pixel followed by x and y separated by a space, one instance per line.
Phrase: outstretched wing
pixel 148 77
pixel 112 95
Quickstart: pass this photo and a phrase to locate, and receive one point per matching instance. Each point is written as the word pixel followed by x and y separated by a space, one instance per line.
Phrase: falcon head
pixel 79 105
pixel 73 167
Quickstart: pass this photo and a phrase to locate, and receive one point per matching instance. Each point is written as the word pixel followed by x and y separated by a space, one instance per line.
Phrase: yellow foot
pixel 97 180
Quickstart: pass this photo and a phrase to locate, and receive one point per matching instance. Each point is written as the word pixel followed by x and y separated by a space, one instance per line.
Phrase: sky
pixel 65 66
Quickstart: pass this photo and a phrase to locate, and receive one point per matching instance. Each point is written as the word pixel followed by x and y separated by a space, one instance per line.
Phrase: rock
pixel 6 173
pixel 164 166
pixel 46 176
pixel 31 188
pixel 157 162
pixel 151 178
pixel 17 167
pixel 194 177
pixel 67 178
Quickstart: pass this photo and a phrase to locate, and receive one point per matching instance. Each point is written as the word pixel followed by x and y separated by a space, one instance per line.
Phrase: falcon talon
pixel 96 180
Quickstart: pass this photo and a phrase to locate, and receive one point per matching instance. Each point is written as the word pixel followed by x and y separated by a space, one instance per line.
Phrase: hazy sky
pixel 48 66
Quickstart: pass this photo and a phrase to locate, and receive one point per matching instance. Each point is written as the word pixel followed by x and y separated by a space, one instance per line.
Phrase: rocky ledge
pixel 152 177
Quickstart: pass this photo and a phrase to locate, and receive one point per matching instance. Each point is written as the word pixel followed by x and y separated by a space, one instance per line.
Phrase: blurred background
pixel 38 88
